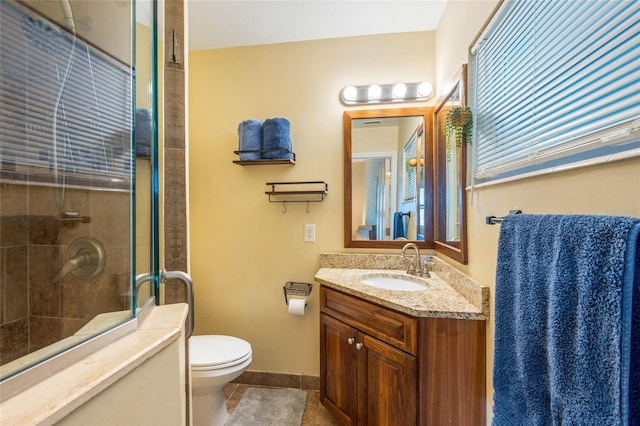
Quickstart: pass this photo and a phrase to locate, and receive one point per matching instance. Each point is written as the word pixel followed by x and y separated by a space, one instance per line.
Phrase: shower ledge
pixel 53 398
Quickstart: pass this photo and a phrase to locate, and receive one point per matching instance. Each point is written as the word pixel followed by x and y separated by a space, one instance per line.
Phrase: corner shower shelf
pixel 298 192
pixel 265 161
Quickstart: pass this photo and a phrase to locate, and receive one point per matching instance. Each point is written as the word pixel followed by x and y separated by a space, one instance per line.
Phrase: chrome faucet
pixel 418 268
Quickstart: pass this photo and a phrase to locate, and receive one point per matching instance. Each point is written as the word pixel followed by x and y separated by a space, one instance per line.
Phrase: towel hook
pixel 308 206
pixel 284 207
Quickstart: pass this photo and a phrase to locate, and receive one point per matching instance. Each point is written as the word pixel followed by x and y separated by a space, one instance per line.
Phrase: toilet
pixel 215 361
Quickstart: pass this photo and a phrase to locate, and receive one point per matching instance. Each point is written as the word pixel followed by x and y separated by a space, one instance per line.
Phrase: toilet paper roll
pixel 298 306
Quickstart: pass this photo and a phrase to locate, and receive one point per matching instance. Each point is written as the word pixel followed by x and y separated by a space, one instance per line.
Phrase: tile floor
pixel 314 415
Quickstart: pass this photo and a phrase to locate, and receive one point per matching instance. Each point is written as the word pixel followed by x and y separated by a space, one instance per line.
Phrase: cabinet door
pixel 338 369
pixel 387 384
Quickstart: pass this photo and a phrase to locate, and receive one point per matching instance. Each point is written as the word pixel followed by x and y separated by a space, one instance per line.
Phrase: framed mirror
pixel 388 177
pixel 450 176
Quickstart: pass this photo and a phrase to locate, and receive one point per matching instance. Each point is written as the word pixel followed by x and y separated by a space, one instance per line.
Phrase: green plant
pixel 458 125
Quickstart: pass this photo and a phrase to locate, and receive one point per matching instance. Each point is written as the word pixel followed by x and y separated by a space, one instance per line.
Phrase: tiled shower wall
pixel 34 311
pixel 175 152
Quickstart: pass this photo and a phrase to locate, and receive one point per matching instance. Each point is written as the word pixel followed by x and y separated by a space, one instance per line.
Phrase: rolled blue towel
pixel 250 139
pixel 276 136
pixel 144 132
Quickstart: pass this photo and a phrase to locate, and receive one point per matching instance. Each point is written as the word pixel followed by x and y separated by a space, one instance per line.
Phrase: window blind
pixel 555 83
pixel 66 107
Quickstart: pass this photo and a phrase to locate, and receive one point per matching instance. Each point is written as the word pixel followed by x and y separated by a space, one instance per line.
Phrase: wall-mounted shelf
pixel 265 161
pixel 297 192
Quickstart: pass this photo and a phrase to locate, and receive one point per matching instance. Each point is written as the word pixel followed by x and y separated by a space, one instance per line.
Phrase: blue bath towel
pixel 250 139
pixel 277 136
pixel 565 350
pixel 398 226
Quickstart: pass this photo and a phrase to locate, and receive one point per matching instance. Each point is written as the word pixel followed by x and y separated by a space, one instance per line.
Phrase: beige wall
pixel 244 249
pixel 607 189
pixel 458 27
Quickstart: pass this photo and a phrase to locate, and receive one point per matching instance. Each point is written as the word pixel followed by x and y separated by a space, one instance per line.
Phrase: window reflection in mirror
pixel 450 174
pixel 388 178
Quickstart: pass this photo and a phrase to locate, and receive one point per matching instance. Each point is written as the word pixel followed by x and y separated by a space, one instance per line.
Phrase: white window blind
pixel 555 83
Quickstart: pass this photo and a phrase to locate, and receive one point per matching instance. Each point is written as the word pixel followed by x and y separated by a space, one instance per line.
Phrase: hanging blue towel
pixel 398 226
pixel 276 136
pixel 250 139
pixel 565 350
pixel 144 132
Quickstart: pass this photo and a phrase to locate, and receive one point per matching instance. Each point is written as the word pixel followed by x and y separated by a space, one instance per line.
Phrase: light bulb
pixel 375 91
pixel 425 89
pixel 399 90
pixel 349 93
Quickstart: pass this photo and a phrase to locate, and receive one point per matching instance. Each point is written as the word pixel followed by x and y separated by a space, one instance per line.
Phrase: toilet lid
pixel 210 351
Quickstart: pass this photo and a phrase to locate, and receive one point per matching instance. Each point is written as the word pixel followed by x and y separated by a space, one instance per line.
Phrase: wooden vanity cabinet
pixel 382 367
pixel 373 385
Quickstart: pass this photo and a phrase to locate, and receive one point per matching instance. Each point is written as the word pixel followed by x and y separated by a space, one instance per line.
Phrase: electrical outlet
pixel 309 233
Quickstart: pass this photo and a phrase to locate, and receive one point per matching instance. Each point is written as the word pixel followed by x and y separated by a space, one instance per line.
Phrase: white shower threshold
pixel 62 392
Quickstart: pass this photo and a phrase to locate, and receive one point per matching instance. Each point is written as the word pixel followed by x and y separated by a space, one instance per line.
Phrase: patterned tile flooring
pixel 314 415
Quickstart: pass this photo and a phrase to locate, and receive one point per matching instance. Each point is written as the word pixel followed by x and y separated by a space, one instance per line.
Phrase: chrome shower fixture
pixel 86 259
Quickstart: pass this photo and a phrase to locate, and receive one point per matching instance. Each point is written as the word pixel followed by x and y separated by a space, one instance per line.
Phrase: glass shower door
pixel 78 173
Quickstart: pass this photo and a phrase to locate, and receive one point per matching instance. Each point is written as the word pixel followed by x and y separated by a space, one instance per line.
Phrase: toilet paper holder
pixel 293 288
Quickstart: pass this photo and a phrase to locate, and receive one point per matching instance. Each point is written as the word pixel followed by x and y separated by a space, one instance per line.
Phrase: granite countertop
pixel 449 293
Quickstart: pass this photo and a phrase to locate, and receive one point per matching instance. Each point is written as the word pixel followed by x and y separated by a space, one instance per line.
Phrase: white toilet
pixel 215 361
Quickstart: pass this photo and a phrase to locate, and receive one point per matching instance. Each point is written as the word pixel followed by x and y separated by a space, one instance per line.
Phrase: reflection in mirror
pixel 388 178
pixel 450 235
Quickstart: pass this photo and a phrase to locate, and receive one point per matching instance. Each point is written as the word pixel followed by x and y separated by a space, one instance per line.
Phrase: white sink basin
pixel 397 283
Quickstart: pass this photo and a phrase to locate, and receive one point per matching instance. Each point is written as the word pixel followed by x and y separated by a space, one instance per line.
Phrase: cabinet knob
pixel 351 340
pixel 359 346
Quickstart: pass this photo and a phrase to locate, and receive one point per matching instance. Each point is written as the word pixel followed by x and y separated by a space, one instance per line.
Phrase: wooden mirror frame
pixel 348 117
pixel 456 250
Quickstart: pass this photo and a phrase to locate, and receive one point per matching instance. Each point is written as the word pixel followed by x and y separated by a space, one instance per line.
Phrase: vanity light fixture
pixel 386 93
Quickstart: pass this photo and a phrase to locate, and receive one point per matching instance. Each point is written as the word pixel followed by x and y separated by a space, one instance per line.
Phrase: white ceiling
pixel 216 23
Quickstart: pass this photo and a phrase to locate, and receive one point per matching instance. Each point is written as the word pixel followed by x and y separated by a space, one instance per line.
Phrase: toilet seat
pixel 214 352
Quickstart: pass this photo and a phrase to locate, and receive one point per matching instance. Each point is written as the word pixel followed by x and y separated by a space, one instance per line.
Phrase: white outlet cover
pixel 309 233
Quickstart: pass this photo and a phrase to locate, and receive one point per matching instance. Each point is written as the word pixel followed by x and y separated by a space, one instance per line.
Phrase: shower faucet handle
pixel 86 259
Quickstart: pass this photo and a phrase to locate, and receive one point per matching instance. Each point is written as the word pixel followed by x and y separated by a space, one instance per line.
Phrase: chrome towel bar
pixel 492 220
